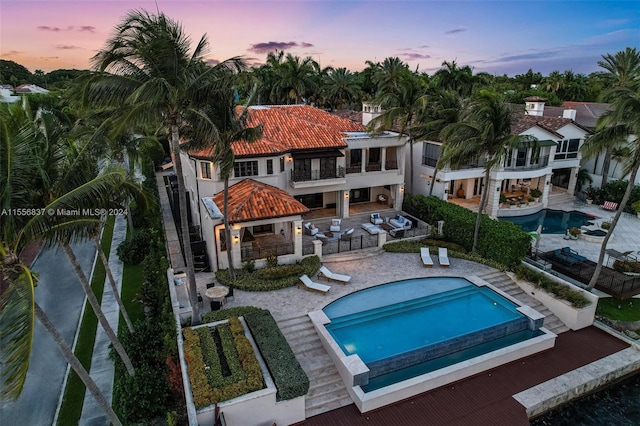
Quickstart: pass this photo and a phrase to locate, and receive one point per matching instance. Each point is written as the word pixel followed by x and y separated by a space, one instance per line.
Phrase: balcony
pixel 373 167
pixel 391 165
pixel 309 178
pixel 540 164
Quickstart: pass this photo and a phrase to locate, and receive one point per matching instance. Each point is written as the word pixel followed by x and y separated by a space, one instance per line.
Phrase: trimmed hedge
pixel 202 392
pixel 561 291
pixel 273 278
pixel 226 313
pixel 502 242
pixel 289 377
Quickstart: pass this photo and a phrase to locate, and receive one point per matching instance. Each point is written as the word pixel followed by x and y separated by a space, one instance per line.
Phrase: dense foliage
pixel 561 291
pixel 272 278
pixel 288 376
pixel 134 249
pixel 502 242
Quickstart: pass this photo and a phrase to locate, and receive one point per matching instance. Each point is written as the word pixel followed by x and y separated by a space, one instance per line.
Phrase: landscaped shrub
pixel 227 313
pixel 255 281
pixel 622 266
pixel 289 377
pixel 561 291
pixel 200 388
pixel 133 250
pixel 502 242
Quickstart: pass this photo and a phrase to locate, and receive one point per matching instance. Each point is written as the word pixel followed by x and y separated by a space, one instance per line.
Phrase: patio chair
pixel 230 294
pixel 328 275
pixel 215 305
pixel 310 285
pixel 443 257
pixel 335 225
pixel 376 219
pixel 371 228
pixel 211 285
pixel 426 257
pixel 610 205
pixel 310 229
pixel 346 235
pixel 200 300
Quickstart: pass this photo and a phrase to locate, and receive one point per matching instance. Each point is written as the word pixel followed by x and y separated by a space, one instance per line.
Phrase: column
pixel 363 166
pixel 493 197
pixel 343 202
pixel 235 247
pixel 573 179
pixel 399 197
pixel 546 189
pixel 383 158
pixel 297 239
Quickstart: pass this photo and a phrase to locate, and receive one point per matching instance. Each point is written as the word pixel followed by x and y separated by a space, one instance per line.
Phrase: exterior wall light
pixel 298 230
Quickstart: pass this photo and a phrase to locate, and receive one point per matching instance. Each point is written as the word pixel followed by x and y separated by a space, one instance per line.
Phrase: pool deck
pixel 486 398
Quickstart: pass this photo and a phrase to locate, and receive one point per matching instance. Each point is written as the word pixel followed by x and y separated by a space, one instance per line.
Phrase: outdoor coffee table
pixel 217 293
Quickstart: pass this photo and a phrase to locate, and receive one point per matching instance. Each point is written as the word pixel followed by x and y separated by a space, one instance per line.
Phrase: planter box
pixel 574 318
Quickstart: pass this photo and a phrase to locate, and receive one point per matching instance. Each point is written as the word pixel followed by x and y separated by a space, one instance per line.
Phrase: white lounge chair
pixel 328 275
pixel 371 228
pixel 443 257
pixel 426 257
pixel 310 285
pixel 335 225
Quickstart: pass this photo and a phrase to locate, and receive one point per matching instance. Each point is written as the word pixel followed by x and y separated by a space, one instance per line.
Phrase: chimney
pixel 369 112
pixel 569 113
pixel 534 105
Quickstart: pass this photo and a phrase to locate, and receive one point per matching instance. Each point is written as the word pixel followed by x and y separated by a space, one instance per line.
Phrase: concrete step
pixel 352 255
pixel 324 405
pixel 295 327
pixel 332 387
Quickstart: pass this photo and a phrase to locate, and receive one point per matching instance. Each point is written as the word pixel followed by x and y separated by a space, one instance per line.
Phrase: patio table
pixel 217 293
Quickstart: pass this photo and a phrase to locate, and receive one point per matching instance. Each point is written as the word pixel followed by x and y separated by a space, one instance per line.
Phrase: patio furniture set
pixel 443 257
pixel 334 233
pixel 395 226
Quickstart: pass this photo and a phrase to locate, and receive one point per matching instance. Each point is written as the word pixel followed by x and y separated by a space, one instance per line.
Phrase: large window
pixel 430 154
pixel 567 149
pixel 245 168
pixel 355 157
pixel 269 167
pixel 205 170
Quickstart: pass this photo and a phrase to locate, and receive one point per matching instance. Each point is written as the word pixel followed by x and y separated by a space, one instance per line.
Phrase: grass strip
pixel 73 398
pixel 619 310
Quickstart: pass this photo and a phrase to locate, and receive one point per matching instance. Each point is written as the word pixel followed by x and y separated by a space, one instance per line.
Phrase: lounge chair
pixel 376 219
pixel 426 257
pixel 310 229
pixel 371 228
pixel 310 285
pixel 443 257
pixel 328 275
pixel 610 205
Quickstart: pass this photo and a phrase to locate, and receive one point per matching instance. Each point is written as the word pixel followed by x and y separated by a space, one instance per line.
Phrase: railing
pixel 540 164
pixel 399 233
pixel 428 161
pixel 354 169
pixel 350 244
pixel 391 165
pixel 252 253
pixel 373 167
pixel 475 164
pixel 304 176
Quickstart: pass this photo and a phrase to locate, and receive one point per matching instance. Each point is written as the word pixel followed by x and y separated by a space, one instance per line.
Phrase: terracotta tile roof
pixel 349 114
pixel 291 128
pixel 549 124
pixel 253 200
pixel 587 113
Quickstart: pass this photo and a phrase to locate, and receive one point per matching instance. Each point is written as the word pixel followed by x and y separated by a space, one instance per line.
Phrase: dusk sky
pixel 494 36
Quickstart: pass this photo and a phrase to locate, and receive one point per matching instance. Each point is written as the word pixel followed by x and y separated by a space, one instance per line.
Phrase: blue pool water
pixel 406 328
pixel 552 221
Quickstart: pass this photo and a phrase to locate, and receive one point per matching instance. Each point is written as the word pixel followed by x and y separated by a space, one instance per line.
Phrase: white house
pixel 554 160
pixel 306 159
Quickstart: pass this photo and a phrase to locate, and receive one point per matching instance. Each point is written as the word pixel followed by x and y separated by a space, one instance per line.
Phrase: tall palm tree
pixel 232 127
pixel 403 102
pixel 453 77
pixel 340 87
pixel 623 70
pixel 20 139
pixel 483 131
pixel 296 78
pixel 149 76
pixel 621 123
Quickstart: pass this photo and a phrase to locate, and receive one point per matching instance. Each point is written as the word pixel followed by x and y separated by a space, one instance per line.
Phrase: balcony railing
pixel 373 167
pixel 391 165
pixel 475 164
pixel 540 164
pixel 356 168
pixel 251 253
pixel 309 175
pixel 428 161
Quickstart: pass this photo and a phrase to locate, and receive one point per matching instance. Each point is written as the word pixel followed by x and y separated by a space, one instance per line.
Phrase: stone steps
pixel 352 255
pixel 326 388
pixel 503 282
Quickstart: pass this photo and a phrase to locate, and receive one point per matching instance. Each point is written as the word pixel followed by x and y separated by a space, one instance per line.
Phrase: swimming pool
pixel 396 340
pixel 552 221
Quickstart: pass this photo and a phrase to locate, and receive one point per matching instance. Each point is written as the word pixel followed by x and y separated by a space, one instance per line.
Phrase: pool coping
pixel 354 371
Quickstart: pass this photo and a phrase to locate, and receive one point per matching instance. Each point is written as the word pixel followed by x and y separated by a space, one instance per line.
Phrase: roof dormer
pixel 534 105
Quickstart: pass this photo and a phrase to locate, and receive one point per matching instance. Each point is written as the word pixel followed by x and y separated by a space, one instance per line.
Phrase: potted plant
pixel 574 232
pixel 536 194
pixel 591 193
pixel 512 203
pixel 636 207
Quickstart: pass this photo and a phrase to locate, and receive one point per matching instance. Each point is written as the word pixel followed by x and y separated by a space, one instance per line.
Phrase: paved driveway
pixel 60 295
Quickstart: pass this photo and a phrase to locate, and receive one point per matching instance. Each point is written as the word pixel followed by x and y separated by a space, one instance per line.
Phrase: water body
pixel 552 221
pixel 618 405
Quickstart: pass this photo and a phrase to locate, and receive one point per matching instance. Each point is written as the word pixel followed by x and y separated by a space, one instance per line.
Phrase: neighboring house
pixel 554 161
pixel 306 159
pixel 6 94
pixel 30 88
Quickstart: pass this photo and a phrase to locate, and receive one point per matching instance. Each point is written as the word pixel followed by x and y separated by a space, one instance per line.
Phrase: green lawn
pixel 627 310
pixel 73 399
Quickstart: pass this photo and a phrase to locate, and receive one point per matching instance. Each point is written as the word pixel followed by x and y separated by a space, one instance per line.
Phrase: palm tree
pixel 340 87
pixel 623 70
pixel 20 139
pixel 554 81
pixel 483 131
pixel 295 78
pixel 148 76
pixel 452 77
pixel 402 101
pixel 621 123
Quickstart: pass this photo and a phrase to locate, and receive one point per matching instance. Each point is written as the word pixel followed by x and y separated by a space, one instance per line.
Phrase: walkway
pixel 60 295
pixel 102 367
